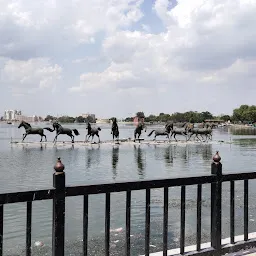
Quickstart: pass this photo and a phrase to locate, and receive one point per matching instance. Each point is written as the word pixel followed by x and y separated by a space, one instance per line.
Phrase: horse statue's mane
pixel 56 124
pixel 26 123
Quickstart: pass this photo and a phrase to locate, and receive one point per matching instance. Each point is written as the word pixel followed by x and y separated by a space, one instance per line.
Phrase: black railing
pixel 59 192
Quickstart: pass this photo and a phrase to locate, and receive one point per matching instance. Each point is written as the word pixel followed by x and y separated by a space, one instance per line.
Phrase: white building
pixel 11 114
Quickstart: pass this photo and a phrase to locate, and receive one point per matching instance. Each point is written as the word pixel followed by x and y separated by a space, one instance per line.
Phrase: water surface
pixel 30 167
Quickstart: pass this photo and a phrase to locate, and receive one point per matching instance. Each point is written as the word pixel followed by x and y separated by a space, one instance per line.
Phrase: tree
pixel 225 118
pixel 80 119
pixel 140 114
pixel 49 117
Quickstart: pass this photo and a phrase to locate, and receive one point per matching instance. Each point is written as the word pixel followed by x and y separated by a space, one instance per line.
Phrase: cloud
pixel 203 40
pixel 202 55
pixel 28 26
pixel 26 77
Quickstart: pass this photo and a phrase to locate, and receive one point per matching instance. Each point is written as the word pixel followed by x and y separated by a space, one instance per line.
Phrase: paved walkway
pixel 249 252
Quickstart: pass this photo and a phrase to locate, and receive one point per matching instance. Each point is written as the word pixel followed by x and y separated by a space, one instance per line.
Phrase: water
pixel 30 167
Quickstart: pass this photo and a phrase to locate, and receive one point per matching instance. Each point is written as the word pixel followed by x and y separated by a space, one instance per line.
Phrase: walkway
pixel 226 241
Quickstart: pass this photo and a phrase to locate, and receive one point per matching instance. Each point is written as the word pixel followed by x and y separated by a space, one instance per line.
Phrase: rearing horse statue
pixel 138 130
pixel 114 129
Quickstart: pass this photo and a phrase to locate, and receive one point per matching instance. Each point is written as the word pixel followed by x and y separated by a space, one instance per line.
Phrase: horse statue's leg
pixel 24 136
pixel 55 138
pixel 175 137
pixel 98 137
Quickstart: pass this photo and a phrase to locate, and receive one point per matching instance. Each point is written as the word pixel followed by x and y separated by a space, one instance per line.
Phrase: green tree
pixel 49 117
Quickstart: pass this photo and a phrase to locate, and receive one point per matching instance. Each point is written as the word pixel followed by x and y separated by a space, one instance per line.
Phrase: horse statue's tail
pixel 49 129
pixel 99 129
pixel 76 132
pixel 151 133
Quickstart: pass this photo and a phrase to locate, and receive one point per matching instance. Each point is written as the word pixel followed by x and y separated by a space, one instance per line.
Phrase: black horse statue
pixel 115 130
pixel 61 130
pixel 140 127
pixel 207 132
pixel 180 131
pixel 91 132
pixel 30 130
pixel 162 132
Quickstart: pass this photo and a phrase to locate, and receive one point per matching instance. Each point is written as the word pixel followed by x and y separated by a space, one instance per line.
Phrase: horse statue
pixel 162 132
pixel 114 129
pixel 140 127
pixel 207 132
pixel 61 130
pixel 91 132
pixel 180 131
pixel 30 130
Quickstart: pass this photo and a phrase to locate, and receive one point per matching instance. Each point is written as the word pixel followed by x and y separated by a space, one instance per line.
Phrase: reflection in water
pixel 168 156
pixel 93 155
pixel 245 142
pixel 205 151
pixel 138 153
pixel 115 157
pixel 243 131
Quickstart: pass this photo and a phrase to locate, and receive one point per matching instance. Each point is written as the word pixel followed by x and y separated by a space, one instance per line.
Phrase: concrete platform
pixel 225 241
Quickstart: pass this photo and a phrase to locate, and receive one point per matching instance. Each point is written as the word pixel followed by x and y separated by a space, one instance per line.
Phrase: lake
pixel 30 167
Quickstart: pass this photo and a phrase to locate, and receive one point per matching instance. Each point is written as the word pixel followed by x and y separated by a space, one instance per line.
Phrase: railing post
pixel 58 227
pixel 216 195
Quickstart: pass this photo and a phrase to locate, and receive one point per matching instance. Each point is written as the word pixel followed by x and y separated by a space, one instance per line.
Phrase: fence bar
pixel 245 210
pixel 58 227
pixel 199 220
pixel 232 212
pixel 107 224
pixel 147 223
pixel 165 224
pixel 128 223
pixel 28 229
pixel 216 200
pixel 1 228
pixel 85 226
pixel 182 219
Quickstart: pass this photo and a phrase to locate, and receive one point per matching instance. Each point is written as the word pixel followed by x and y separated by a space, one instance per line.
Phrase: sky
pixel 117 57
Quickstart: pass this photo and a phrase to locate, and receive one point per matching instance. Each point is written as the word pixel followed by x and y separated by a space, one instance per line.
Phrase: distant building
pixel 10 115
pixel 27 118
pixel 92 116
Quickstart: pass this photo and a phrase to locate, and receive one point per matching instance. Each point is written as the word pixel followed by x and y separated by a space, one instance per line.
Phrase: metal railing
pixel 60 191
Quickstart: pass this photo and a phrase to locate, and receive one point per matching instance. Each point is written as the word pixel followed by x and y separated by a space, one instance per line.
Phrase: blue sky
pixel 114 58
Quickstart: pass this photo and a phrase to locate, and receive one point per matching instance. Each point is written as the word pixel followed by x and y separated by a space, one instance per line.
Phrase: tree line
pixel 244 114
pixel 70 119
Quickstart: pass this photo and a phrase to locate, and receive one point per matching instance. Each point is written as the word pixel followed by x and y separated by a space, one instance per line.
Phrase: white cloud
pixel 203 40
pixel 25 77
pixel 26 26
pixel 203 45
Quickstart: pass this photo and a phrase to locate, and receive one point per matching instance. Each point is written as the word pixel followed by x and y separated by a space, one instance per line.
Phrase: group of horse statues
pixel 185 129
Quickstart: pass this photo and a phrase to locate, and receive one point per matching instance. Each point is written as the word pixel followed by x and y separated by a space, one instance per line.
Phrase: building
pixel 10 115
pixel 92 117
pixel 27 118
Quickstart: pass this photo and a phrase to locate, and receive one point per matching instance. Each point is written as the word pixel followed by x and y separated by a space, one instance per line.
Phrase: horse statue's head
pixel 169 127
pixel 24 124
pixel 56 125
